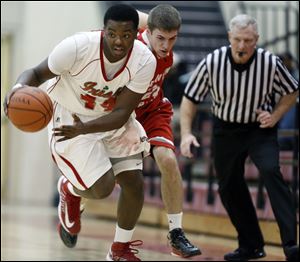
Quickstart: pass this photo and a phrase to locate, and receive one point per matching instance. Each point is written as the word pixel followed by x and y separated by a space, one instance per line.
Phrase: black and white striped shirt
pixel 238 90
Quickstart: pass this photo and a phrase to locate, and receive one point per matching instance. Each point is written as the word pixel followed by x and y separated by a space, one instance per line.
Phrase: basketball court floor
pixel 29 233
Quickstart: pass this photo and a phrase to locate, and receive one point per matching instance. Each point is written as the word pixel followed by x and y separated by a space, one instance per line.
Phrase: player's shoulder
pixel 87 37
pixel 139 47
pixel 141 50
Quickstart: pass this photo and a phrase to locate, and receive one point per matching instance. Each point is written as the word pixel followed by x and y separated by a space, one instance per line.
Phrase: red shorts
pixel 157 124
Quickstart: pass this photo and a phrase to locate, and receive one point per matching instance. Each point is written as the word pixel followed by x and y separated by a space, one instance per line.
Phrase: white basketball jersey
pixel 82 85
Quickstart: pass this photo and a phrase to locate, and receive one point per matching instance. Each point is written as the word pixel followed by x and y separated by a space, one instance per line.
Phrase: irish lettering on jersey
pixel 92 93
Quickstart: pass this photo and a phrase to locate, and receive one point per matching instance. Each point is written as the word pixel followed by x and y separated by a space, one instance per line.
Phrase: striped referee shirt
pixel 237 90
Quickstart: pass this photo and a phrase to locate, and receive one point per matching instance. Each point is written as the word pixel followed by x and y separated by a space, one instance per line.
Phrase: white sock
pixel 175 221
pixel 123 235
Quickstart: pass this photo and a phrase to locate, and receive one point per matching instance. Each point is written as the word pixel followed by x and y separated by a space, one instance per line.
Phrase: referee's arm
pixel 188 110
pixel 284 104
pixel 268 119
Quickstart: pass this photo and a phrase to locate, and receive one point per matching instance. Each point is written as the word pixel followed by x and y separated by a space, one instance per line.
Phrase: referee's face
pixel 243 43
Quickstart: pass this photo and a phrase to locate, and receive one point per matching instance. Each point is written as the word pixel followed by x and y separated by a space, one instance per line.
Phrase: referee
pixel 251 90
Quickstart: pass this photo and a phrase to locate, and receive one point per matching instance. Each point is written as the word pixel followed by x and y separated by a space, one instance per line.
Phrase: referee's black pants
pixel 232 143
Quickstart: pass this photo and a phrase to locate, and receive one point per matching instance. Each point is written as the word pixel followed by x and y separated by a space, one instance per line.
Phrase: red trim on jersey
pixel 141 37
pixel 102 61
pixel 53 141
pixel 74 171
pixel 53 157
pixel 128 73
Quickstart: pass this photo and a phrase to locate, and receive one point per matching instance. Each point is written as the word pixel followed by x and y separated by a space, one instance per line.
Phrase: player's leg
pixel 131 198
pixel 171 182
pixel 130 205
pixel 159 131
pixel 172 194
pixel 70 205
pixel 86 170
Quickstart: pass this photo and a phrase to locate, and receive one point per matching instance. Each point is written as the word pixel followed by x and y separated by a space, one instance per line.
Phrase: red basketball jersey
pixel 154 94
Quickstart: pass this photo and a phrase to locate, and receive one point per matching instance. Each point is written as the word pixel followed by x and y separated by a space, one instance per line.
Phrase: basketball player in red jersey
pixel 159 32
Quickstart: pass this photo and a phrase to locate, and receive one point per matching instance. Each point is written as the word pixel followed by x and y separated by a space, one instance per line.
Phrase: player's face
pixel 162 42
pixel 118 39
pixel 243 43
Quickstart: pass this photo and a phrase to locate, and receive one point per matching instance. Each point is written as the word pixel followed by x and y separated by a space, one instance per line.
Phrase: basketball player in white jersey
pixel 97 80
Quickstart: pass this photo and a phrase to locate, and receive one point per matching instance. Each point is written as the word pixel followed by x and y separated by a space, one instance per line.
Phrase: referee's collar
pixel 240 67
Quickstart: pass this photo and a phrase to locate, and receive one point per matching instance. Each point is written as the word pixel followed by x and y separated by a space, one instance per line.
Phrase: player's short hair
pixel 122 13
pixel 242 21
pixel 164 17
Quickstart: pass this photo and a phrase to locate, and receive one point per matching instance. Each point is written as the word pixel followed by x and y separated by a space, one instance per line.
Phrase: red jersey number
pixel 89 101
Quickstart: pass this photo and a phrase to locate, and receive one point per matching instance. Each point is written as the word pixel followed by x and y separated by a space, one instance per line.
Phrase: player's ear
pixel 148 31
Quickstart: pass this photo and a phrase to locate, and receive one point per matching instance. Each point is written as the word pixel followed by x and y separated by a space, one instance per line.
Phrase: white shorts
pixel 85 158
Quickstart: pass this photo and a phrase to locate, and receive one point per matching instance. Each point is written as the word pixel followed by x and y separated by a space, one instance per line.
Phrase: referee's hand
pixel 187 141
pixel 265 119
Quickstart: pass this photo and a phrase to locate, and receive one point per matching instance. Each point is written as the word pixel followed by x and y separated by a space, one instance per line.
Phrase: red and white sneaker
pixel 68 213
pixel 123 251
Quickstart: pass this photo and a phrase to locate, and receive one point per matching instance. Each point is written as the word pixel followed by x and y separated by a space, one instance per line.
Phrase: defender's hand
pixel 68 132
pixel 129 140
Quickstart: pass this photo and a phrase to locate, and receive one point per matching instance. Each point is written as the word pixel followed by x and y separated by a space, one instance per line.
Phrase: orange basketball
pixel 30 109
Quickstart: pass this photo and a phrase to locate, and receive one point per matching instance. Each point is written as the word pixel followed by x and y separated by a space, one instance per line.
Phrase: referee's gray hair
pixel 242 21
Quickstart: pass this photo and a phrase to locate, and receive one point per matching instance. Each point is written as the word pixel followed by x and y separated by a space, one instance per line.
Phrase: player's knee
pixel 131 181
pixel 102 191
pixel 167 162
pixel 103 187
pixel 166 158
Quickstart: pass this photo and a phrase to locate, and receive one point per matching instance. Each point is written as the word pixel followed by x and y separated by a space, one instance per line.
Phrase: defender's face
pixel 118 39
pixel 243 43
pixel 162 42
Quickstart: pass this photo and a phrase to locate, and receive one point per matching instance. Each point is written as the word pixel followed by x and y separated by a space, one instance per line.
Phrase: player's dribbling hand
pixel 9 95
pixel 186 144
pixel 68 132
